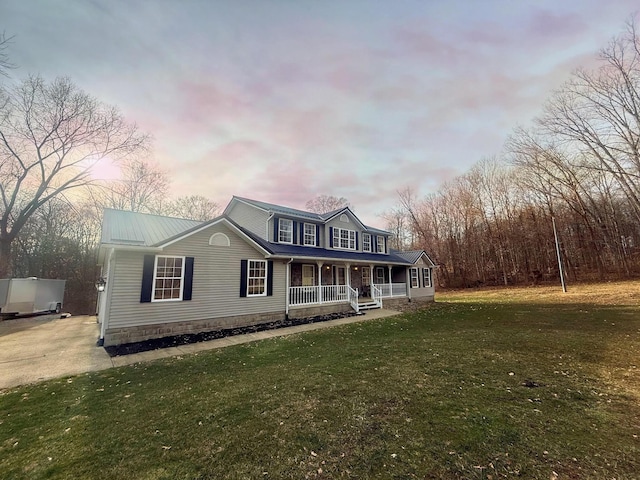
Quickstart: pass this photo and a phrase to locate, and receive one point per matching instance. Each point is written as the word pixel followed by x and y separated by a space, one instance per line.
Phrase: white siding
pixel 216 284
pixel 251 218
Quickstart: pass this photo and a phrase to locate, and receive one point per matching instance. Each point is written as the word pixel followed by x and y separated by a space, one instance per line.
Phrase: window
pixel 366 276
pixel 257 278
pixel 168 278
pixel 414 278
pixel 308 275
pixel 310 234
pixel 343 238
pixel 379 275
pixel 426 277
pixel 285 230
pixel 366 242
pixel 380 244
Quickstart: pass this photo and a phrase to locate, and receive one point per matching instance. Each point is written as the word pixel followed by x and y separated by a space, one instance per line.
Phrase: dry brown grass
pixel 606 293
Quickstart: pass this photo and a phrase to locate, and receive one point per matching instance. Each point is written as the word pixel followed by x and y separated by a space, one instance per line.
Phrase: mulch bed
pixel 177 340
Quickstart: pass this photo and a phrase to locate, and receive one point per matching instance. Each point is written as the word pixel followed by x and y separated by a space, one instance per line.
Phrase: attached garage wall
pixel 216 289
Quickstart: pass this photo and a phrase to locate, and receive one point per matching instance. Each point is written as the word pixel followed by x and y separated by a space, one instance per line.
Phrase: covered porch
pixel 361 285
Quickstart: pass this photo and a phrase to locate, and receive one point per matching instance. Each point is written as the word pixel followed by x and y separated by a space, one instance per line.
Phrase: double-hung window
pixel 414 278
pixel 343 238
pixel 366 242
pixel 310 234
pixel 426 277
pixel 257 278
pixel 168 278
pixel 380 244
pixel 285 230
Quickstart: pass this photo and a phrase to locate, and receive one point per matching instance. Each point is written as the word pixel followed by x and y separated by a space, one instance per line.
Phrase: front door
pixel 340 276
pixel 308 275
pixel 379 275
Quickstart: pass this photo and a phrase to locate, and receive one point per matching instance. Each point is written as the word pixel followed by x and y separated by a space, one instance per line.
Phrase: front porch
pixel 360 286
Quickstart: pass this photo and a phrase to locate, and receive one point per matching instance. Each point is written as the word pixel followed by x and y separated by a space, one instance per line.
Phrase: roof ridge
pixel 152 214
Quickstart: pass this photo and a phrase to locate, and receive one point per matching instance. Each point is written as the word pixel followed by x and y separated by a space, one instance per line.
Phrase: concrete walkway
pixel 39 348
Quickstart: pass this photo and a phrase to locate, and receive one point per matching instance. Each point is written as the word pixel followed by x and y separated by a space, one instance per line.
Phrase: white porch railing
pixel 376 296
pixel 392 290
pixel 353 299
pixel 313 295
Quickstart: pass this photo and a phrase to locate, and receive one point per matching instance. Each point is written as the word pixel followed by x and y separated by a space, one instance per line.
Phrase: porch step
pixel 367 305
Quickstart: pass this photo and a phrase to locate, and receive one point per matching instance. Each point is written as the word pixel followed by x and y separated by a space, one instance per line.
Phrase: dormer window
pixel 343 238
pixel 310 235
pixel 380 244
pixel 366 242
pixel 285 230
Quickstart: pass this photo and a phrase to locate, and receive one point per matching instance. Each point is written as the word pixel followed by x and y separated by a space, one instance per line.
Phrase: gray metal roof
pixel 318 217
pixel 140 229
pixel 411 256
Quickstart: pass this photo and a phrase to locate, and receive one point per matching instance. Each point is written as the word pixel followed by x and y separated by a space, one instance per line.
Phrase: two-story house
pixel 257 263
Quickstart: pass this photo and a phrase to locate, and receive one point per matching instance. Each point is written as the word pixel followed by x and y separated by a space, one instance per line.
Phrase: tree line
pixel 578 164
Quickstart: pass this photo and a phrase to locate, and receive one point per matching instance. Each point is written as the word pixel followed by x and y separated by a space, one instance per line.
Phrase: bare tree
pixel 5 63
pixel 51 135
pixel 326 203
pixel 142 187
pixel 194 207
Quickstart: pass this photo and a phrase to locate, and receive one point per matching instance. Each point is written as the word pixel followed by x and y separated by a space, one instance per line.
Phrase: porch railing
pixel 312 295
pixel 353 299
pixel 376 296
pixel 392 290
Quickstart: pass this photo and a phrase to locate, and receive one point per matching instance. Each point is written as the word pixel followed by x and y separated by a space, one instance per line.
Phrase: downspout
pixel 288 294
pixel 105 307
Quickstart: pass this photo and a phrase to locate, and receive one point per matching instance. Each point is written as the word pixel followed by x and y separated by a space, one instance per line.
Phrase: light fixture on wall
pixel 101 284
pixel 355 268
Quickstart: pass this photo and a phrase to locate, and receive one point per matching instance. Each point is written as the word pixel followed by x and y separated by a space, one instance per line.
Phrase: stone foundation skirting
pixel 405 304
pixel 118 336
pixel 316 310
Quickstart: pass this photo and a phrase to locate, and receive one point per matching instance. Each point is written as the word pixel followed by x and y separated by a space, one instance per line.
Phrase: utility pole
pixel 555 234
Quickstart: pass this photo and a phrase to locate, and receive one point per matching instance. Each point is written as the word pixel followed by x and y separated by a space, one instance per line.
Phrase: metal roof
pixel 318 217
pixel 412 256
pixel 122 227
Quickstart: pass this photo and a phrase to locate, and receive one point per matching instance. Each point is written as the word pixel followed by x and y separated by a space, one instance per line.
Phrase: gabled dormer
pixel 337 230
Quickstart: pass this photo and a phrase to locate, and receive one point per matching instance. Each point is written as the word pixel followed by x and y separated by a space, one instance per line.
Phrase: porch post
pixel 347 274
pixel 371 276
pixel 390 282
pixel 320 282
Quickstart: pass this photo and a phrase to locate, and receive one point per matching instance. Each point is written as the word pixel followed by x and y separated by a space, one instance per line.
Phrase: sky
pixel 283 100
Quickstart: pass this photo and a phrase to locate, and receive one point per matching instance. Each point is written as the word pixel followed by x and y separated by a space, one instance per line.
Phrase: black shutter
pixel 374 243
pixel 147 278
pixel 276 223
pixel 269 278
pixel 317 235
pixel 301 233
pixel 357 248
pixel 294 233
pixel 331 237
pixel 188 279
pixel 385 245
pixel 243 278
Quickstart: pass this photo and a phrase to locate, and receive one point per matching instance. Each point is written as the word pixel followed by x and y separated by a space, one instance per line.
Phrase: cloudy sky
pixel 281 100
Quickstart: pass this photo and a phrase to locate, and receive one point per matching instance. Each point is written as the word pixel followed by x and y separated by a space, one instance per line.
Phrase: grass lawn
pixel 525 383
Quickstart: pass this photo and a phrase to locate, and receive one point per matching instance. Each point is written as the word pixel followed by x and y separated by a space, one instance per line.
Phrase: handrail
pixel 376 295
pixel 353 298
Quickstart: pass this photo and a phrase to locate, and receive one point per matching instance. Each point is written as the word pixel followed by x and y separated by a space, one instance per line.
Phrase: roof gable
pixel 414 255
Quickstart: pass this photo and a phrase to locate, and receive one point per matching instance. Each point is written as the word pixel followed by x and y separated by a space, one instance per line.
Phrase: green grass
pixel 434 394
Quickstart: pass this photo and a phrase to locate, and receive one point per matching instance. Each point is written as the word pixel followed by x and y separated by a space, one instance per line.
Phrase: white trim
pixel 155 273
pixel 368 235
pixel 345 210
pixel 339 230
pixel 282 230
pixel 424 282
pixel 266 277
pixel 415 270
pixel 225 242
pixel 304 234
